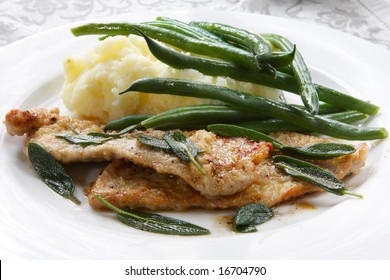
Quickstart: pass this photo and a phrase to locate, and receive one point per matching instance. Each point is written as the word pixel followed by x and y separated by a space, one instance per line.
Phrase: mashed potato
pixel 92 83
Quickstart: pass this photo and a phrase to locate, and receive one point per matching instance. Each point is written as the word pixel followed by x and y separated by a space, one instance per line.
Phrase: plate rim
pixel 23 42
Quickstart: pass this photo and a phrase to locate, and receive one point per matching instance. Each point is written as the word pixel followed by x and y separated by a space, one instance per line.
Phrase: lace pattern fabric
pixel 369 19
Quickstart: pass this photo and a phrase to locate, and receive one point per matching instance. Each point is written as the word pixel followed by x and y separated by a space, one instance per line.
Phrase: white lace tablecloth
pixel 368 19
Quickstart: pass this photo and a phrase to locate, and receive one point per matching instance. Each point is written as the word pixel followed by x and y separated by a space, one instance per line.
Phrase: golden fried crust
pixel 229 163
pixel 128 186
pixel 340 166
pixel 20 122
pixel 238 171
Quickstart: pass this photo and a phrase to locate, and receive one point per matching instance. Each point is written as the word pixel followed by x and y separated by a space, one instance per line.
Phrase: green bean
pixel 326 94
pixel 213 67
pixel 186 43
pixel 307 89
pixel 345 101
pixel 174 27
pixel 250 41
pixel 186 117
pixel 196 31
pixel 347 116
pixel 275 125
pixel 285 70
pixel 245 40
pixel 326 108
pixel 337 98
pixel 125 122
pixel 258 104
pixel 282 81
pixel 282 59
pixel 199 114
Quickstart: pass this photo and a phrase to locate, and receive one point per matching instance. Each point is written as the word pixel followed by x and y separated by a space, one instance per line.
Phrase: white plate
pixel 36 223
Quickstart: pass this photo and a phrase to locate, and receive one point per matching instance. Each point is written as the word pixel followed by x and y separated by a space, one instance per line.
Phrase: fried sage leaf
pixel 154 222
pixel 314 151
pixel 250 215
pixel 84 140
pixel 115 134
pixel 153 141
pixel 183 148
pixel 313 174
pixel 229 130
pixel 51 172
pixel 175 142
pixel 319 150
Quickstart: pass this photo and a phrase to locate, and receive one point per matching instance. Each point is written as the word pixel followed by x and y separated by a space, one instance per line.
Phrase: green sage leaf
pixel 183 148
pixel 117 134
pixel 101 135
pixel 313 174
pixel 250 215
pixel 319 150
pixel 314 151
pixel 51 172
pixel 153 141
pixel 180 137
pixel 154 222
pixel 84 140
pixel 229 130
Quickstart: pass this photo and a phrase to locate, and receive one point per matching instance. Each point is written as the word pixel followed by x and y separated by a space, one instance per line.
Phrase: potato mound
pixel 92 83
